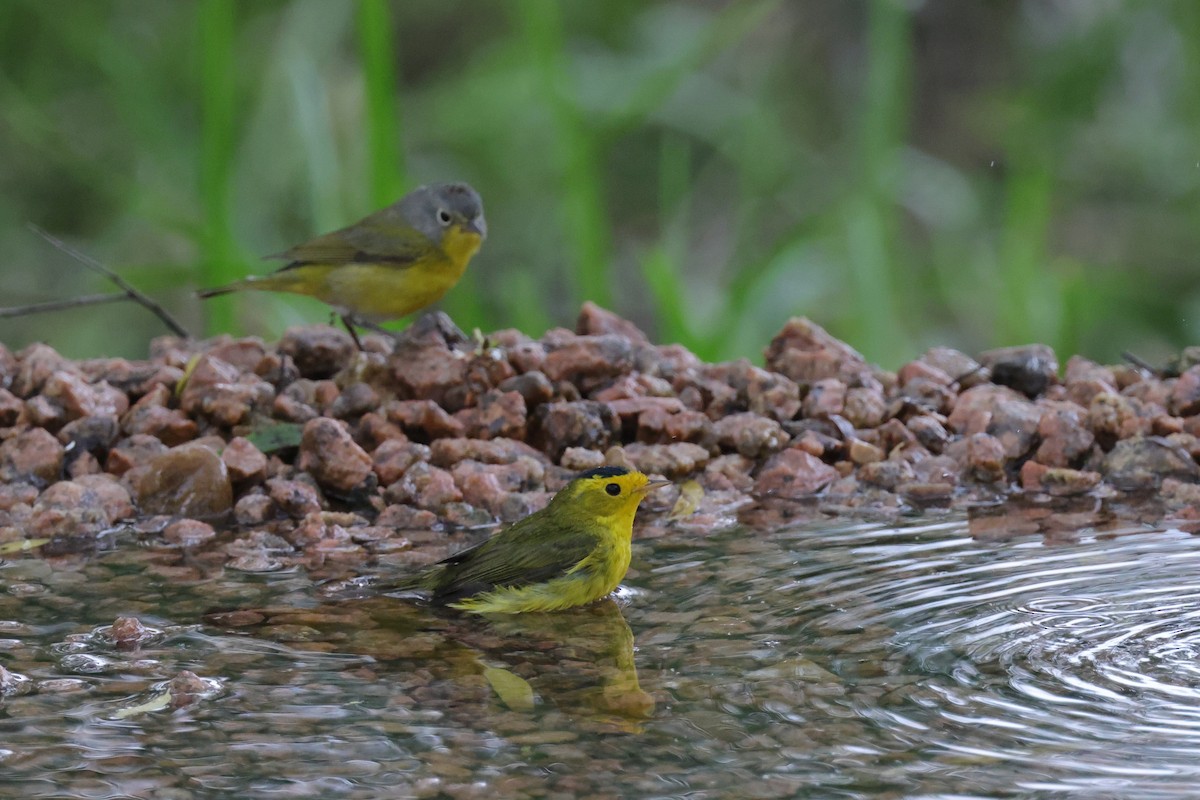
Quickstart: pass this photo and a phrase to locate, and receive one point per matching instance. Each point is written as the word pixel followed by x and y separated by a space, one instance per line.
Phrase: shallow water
pixel 825 660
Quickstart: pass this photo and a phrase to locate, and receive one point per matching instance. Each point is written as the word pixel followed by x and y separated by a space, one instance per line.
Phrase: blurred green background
pixel 907 174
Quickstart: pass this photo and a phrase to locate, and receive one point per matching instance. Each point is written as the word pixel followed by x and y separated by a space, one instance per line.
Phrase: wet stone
pixel 295 498
pixel 423 419
pixel 89 434
pixel 594 320
pixel 583 423
pixel 865 407
pixel 1143 462
pixel 393 458
pixel 675 460
pixel 1113 416
pixel 584 360
pixel 497 415
pixel 354 401
pixel 35 365
pixel 1184 400
pixel 804 352
pixel 332 457
pixel 424 486
pixel 89 504
pixel 169 425
pixel 1030 369
pixel 10 408
pixel 129 453
pixel 318 351
pixel 985 457
pixel 1065 437
pixel 578 459
pixel 189 532
pixel 794 473
pixel 32 456
pixel 254 509
pixel 245 462
pixel 750 435
pixel 188 481
pixel 77 398
pixel 825 398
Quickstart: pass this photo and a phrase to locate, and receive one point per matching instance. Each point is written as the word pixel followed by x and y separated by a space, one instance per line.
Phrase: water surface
pixel 832 660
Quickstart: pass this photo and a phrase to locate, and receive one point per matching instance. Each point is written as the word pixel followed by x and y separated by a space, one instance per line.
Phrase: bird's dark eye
pixel 613 489
pixel 443 216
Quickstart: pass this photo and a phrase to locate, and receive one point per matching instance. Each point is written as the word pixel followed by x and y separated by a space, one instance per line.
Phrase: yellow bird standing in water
pixel 572 552
pixel 387 265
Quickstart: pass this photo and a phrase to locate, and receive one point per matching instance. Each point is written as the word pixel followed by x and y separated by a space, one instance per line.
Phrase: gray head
pixel 432 209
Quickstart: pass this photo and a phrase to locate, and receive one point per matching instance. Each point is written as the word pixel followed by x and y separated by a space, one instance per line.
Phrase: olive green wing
pixel 381 238
pixel 518 556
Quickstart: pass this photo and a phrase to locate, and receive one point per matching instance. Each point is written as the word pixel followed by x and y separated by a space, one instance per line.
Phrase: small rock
pixel 35 365
pixel 13 683
pixel 329 454
pixel 825 398
pixel 1064 434
pixel 393 458
pixel 578 459
pixel 497 414
pixel 89 435
pixel 132 452
pixel 1184 400
pixel 10 408
pixel 448 452
pixel 793 473
pixel 582 423
pixel 804 352
pixel 78 398
pixel 750 435
pixel 88 505
pixel 318 351
pixel 32 456
pixel 865 407
pixel 929 431
pixel 675 460
pixel 128 633
pixel 168 425
pixel 861 452
pixel 354 401
pixel 253 510
pixel 245 462
pixel 594 321
pixel 405 517
pixel 1143 462
pixel 985 457
pixel 186 481
pixel 585 360
pixel 533 386
pixel 1057 481
pixel 423 419
pixel 962 369
pixel 1030 369
pixel 425 486
pixel 1113 417
pixel 888 474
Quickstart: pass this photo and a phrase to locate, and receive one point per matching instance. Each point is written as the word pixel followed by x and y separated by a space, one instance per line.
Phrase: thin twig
pixel 59 305
pixel 130 291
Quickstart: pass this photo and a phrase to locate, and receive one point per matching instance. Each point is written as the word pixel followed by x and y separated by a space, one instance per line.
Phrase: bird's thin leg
pixel 348 321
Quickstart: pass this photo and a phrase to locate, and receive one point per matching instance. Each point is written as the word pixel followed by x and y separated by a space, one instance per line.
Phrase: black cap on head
pixel 603 472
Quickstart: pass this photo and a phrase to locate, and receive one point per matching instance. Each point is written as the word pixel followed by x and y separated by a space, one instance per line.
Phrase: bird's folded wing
pixel 372 241
pixel 519 556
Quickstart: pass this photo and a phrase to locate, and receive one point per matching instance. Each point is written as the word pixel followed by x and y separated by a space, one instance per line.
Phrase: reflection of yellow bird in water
pixel 572 552
pixel 388 264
